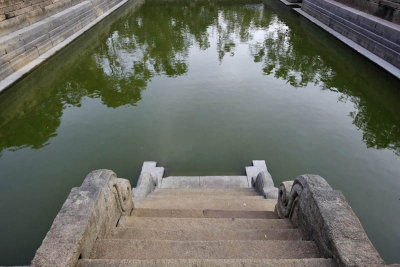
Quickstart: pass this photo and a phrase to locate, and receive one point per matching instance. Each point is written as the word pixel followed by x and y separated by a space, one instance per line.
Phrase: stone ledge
pixel 323 215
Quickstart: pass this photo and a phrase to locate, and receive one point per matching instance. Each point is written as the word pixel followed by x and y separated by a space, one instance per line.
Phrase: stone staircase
pixel 204 227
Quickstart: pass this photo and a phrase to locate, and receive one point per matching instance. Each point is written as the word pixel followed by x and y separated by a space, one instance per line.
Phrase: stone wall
pixel 323 215
pixel 378 36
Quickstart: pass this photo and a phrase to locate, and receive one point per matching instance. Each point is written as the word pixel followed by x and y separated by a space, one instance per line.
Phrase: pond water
pixel 201 87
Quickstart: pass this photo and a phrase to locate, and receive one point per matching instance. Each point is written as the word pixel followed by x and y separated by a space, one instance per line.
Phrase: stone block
pixel 35 15
pixel 12 24
pixel 181 182
pixel 23 10
pixel 223 181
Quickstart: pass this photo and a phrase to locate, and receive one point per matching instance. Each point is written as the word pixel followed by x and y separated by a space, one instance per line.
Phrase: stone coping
pixel 323 215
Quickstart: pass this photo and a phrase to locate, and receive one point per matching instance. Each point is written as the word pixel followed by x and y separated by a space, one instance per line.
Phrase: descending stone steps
pixel 222 249
pixel 204 234
pixel 218 204
pixel 204 227
pixel 203 223
pixel 315 262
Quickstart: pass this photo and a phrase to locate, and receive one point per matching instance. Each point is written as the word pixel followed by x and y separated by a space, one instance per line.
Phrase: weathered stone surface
pixel 210 262
pixel 227 249
pixel 88 213
pixel 181 182
pixel 223 181
pixel 204 182
pixel 203 223
pixel 324 216
pixel 261 180
pixel 206 192
pixel 265 185
pixel 216 204
pixel 253 171
pixel 144 186
pixel 150 177
pixel 207 213
pixel 204 234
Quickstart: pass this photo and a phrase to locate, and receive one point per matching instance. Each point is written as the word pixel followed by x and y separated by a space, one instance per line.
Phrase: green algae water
pixel 201 87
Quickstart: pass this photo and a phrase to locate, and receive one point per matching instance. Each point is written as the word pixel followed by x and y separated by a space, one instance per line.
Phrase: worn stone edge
pixel 89 212
pixel 361 50
pixel 22 72
pixel 323 215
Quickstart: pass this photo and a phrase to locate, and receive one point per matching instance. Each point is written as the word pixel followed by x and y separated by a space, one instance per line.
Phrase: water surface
pixel 202 87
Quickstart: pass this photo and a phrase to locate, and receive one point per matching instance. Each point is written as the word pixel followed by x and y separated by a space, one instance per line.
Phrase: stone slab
pixel 203 223
pixel 317 262
pixel 179 213
pixel 206 191
pixel 202 204
pixel 223 181
pixel 181 182
pixel 227 249
pixel 203 235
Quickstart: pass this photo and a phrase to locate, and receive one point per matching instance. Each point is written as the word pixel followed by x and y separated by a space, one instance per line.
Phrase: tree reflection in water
pixel 116 61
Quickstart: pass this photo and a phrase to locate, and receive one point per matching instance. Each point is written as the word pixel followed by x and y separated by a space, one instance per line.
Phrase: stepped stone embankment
pixel 173 221
pixel 374 37
pixel 32 31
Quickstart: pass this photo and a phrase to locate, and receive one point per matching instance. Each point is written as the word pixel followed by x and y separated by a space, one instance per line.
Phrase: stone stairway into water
pixel 213 224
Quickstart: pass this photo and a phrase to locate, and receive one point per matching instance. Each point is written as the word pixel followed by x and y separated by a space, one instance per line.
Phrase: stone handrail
pixel 88 213
pixel 323 215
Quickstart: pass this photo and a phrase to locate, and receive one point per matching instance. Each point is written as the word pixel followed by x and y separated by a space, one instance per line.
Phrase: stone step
pixel 201 196
pixel 227 249
pixel 206 191
pixel 203 223
pixel 205 182
pixel 313 262
pixel 184 213
pixel 216 204
pixel 203 235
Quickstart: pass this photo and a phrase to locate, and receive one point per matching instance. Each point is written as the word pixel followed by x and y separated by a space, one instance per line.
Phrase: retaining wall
pixel 377 35
pixel 22 46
